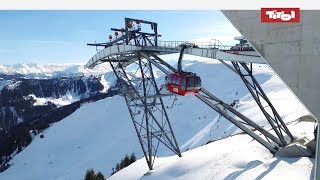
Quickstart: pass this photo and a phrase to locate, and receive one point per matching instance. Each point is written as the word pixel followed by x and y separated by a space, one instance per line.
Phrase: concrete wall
pixel 291 49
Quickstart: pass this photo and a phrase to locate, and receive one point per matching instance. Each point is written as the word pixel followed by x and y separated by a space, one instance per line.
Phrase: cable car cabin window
pixel 175 80
pixel 190 83
pixel 197 82
pixel 178 81
pixel 184 83
pixel 194 82
pixel 172 79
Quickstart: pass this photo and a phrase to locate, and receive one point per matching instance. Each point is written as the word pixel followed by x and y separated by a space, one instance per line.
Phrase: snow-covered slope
pixel 236 157
pixel 95 136
pixel 99 134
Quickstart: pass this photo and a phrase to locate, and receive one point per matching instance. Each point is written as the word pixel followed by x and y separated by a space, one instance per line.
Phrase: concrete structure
pixel 292 50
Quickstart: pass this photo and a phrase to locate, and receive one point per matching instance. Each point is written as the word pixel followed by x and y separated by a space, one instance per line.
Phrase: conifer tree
pixel 112 173
pixel 90 175
pixel 126 161
pixel 132 158
pixel 100 176
pixel 117 167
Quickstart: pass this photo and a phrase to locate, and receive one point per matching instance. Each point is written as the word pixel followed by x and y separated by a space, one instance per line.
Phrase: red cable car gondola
pixel 183 83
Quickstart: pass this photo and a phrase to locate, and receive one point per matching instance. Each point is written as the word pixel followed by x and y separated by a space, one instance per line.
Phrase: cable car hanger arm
pixel 184 46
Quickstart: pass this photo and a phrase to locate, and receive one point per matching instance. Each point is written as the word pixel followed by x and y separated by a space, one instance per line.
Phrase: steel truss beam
pixel 146 108
pixel 141 38
pixel 271 114
pixel 248 126
pixel 270 141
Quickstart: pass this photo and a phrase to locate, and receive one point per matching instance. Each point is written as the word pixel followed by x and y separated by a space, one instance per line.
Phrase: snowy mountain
pixel 22 99
pixel 24 88
pixel 48 70
pixel 33 100
pixel 99 134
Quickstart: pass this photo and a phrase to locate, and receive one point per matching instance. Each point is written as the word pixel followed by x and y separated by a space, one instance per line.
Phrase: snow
pixel 12 85
pixel 2 84
pixel 61 101
pixel 107 80
pixel 15 115
pixel 83 140
pixel 98 135
pixel 236 157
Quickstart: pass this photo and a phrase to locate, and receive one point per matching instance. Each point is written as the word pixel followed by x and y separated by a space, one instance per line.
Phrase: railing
pixel 212 44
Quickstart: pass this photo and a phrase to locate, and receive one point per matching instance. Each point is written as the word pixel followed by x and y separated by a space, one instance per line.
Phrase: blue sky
pixel 61 36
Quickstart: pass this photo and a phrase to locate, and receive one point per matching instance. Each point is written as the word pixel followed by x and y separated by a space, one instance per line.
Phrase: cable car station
pixel 134 45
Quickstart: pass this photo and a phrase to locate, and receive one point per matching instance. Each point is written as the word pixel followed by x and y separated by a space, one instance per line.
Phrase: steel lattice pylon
pixel 146 108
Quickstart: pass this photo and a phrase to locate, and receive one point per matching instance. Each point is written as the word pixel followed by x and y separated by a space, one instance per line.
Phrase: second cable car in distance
pixel 183 83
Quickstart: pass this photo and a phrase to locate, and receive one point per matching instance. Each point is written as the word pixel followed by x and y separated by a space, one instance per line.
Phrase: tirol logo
pixel 284 15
